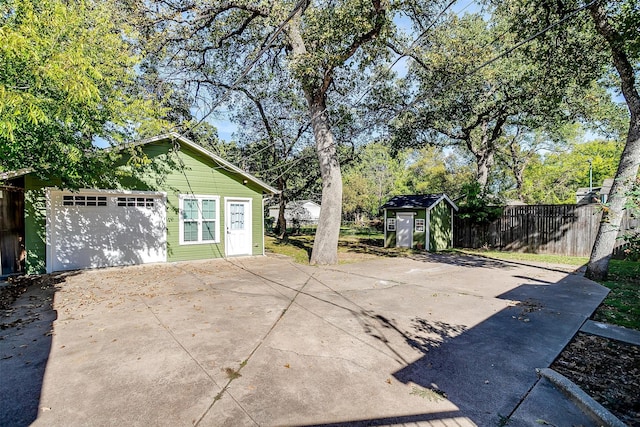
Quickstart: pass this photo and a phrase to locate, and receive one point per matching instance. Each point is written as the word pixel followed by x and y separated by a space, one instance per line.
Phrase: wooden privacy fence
pixel 552 229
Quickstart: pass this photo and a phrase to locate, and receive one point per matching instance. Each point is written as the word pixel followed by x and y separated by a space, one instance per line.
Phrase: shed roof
pixel 417 201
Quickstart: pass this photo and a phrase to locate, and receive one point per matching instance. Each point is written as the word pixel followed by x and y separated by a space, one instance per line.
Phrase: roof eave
pixel 15 174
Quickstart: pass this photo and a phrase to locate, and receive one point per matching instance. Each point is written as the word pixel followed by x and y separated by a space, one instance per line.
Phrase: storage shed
pixel 419 222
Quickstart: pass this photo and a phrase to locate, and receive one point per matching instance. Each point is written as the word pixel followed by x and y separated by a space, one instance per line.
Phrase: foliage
pixel 554 178
pixel 632 238
pixel 66 78
pixel 468 98
pixel 478 206
pixel 622 305
pixel 431 171
pixel 370 180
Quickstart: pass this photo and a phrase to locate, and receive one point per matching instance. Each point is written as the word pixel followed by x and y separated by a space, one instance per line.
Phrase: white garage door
pixel 101 229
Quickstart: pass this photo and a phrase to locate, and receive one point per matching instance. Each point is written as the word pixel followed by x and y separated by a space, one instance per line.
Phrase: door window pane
pixel 237 216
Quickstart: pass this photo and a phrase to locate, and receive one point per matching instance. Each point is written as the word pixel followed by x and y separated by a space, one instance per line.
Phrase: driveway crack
pixel 246 361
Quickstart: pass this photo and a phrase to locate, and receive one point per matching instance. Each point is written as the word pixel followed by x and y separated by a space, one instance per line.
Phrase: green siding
pixel 175 173
pixel 440 227
pixel 390 241
pixel 418 237
pixel 189 172
pixel 35 214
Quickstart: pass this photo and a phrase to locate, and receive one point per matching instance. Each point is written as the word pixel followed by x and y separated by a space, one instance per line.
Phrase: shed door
pixel 100 229
pixel 238 227
pixel 404 230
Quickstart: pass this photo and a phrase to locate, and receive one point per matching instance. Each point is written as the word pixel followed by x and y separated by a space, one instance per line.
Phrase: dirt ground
pixel 607 370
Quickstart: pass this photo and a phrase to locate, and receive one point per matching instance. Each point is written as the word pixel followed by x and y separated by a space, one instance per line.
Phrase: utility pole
pixel 590 175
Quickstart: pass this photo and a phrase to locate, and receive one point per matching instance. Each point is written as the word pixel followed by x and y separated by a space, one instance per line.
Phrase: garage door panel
pixel 111 235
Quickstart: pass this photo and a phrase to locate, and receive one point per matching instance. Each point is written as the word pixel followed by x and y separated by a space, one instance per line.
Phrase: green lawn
pixel 622 305
pixel 518 256
pixel 297 247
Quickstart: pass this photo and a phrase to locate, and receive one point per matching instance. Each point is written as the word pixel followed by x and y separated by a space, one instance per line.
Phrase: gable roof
pixel 173 136
pixel 417 201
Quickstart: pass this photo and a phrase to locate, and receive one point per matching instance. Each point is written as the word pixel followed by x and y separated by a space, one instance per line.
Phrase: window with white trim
pixel 419 225
pixel 199 219
pixel 391 224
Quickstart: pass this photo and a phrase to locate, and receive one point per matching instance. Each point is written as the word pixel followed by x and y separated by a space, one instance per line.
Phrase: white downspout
pixel 262 216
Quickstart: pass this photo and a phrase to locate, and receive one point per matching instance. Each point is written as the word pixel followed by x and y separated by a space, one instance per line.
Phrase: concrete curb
pixel 582 399
pixel 619 333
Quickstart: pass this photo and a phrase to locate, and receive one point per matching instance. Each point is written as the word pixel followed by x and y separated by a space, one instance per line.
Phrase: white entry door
pixel 404 230
pixel 238 227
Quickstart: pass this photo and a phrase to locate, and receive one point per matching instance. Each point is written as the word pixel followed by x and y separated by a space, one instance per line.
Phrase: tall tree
pixel 472 95
pixel 614 25
pixel 67 77
pixel 327 46
pixel 625 53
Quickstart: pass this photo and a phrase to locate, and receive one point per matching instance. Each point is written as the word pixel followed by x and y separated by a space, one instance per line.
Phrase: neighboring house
pixel 302 211
pixel 585 196
pixel 187 204
pixel 419 221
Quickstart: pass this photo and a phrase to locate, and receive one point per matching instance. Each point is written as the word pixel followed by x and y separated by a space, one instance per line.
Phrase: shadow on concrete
pixel 488 370
pixel 26 331
pixel 399 420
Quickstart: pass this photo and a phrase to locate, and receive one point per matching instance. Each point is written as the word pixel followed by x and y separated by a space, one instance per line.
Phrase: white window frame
pixel 391 224
pixel 199 198
pixel 419 225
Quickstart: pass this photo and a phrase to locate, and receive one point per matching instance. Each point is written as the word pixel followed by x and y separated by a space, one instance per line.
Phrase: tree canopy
pixel 471 94
pixel 66 78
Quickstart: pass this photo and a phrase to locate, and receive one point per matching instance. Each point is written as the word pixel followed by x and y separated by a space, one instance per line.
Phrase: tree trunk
pixel 281 227
pixel 484 160
pixel 598 266
pixel 325 245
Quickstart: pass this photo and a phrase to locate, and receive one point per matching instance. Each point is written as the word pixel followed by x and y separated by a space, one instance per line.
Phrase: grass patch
pixel 296 247
pixel 519 256
pixel 622 305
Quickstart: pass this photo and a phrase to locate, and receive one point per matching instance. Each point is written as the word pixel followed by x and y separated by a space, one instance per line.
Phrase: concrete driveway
pixel 436 340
